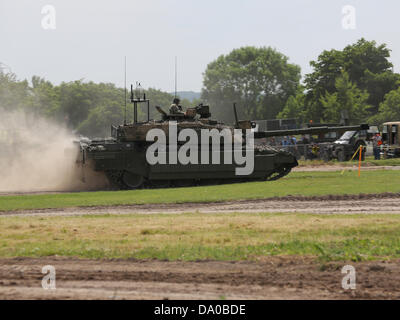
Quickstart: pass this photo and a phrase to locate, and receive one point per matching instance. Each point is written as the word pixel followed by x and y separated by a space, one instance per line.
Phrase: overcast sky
pixel 93 36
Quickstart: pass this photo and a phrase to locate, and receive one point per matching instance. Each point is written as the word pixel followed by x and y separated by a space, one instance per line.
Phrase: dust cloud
pixel 37 154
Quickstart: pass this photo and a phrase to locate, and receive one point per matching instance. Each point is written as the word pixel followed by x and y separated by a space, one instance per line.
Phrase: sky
pixel 90 38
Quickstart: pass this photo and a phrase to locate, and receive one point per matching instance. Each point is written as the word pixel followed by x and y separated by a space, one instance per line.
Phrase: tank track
pixel 281 171
pixel 116 180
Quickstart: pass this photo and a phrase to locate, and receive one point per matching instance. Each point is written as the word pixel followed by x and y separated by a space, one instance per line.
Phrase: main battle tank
pixel 123 156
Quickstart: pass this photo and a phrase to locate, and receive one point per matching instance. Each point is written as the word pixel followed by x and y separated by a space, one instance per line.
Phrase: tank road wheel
pixel 131 180
pixel 115 178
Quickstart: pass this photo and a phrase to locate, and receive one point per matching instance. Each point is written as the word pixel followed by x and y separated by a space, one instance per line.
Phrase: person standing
pixel 376 143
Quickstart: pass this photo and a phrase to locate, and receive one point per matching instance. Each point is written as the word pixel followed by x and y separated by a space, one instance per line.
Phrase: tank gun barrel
pixel 316 130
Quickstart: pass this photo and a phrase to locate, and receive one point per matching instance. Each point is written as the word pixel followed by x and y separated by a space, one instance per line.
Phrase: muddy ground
pixel 270 278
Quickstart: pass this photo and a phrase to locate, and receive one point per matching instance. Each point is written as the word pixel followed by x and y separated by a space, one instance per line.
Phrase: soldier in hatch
pixel 175 107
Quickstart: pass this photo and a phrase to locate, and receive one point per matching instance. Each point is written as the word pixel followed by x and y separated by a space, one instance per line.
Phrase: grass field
pixel 239 236
pixel 297 183
pixel 369 162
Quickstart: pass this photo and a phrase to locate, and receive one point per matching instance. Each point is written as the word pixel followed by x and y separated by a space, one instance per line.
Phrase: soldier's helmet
pixel 176 101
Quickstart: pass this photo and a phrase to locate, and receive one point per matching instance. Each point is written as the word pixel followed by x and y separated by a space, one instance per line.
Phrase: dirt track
pixel 271 278
pixel 340 204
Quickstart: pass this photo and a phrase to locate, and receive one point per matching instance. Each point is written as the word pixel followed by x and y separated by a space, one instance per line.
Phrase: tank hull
pixel 126 166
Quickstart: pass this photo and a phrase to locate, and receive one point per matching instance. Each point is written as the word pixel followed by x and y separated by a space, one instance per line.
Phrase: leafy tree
pixel 100 119
pixel 260 80
pixel 378 85
pixel 44 97
pixel 368 68
pixel 389 109
pixel 347 98
pixel 108 108
pixel 294 107
pixel 86 107
pixel 14 94
pixel 77 99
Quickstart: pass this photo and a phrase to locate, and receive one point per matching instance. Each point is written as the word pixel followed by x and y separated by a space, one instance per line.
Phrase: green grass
pixel 369 162
pixel 191 237
pixel 297 183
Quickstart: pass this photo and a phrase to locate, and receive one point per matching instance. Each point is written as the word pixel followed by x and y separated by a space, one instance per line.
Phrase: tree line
pixel 88 108
pixel 357 81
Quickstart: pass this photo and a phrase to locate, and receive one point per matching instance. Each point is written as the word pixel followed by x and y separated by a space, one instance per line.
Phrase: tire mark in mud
pixel 290 277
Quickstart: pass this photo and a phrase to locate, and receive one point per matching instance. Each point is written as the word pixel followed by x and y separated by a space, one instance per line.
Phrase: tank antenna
pixel 176 75
pixel 125 93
